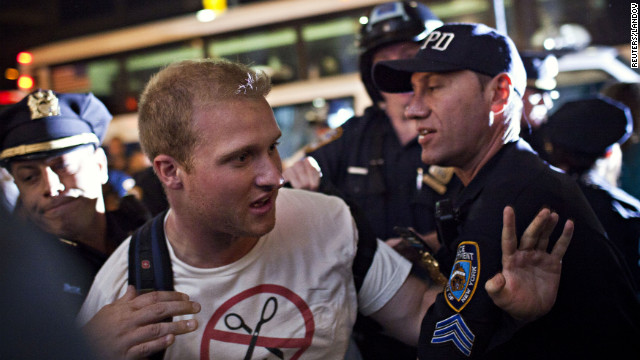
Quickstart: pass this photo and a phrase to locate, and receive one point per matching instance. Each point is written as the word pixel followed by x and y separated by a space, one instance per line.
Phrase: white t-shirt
pixel 296 285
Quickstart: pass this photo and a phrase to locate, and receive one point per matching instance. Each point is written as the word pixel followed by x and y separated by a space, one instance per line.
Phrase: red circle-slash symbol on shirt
pixel 302 344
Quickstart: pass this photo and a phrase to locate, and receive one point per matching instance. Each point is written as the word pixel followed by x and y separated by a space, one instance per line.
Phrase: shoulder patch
pixel 324 139
pixel 464 276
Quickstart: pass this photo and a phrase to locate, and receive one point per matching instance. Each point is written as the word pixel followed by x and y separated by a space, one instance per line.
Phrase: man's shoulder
pixel 519 165
pixel 308 201
pixel 109 284
pixel 519 178
pixel 118 259
pixel 312 211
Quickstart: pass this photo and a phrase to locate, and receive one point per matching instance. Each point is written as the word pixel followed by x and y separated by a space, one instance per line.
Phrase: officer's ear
pixel 501 89
pixel 101 160
pixel 168 171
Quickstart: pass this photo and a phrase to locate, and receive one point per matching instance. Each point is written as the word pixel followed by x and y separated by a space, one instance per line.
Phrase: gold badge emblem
pixel 42 104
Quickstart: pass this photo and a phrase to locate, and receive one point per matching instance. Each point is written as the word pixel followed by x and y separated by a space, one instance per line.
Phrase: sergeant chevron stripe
pixel 454 329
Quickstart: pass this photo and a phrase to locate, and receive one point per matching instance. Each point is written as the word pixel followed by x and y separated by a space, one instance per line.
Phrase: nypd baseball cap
pixel 45 123
pixel 453 47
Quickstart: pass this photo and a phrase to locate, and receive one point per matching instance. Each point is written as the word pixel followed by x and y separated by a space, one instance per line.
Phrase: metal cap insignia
pixel 43 104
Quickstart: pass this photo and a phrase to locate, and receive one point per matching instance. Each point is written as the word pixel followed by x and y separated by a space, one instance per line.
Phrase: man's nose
pixel 270 173
pixel 52 182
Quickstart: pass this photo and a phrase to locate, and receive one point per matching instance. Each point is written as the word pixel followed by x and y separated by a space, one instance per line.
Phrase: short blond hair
pixel 169 99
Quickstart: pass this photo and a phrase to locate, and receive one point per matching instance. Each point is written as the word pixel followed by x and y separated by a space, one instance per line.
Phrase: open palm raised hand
pixel 528 284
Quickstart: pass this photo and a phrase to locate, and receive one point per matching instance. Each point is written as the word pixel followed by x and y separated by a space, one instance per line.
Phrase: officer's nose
pixel 53 185
pixel 417 108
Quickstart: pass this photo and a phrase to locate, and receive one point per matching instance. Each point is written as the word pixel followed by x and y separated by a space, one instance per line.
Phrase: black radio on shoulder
pixel 446 222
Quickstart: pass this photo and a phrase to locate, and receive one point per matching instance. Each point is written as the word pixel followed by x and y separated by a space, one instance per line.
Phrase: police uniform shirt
pixel 595 312
pixel 371 169
pixel 82 262
pixel 38 320
pixel 378 177
pixel 619 214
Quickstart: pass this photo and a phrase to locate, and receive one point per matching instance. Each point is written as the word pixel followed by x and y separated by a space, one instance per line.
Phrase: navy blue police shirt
pixel 377 176
pixel 596 311
pixel 369 168
pixel 619 214
pixel 81 263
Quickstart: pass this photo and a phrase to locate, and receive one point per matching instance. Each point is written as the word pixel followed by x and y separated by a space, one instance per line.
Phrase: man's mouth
pixel 424 132
pixel 261 203
pixel 56 205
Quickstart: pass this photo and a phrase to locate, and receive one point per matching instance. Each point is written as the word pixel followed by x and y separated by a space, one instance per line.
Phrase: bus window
pixel 305 124
pixel 97 76
pixel 330 47
pixel 274 52
pixel 140 66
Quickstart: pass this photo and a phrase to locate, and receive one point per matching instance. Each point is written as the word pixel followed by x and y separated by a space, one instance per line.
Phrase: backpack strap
pixel 149 261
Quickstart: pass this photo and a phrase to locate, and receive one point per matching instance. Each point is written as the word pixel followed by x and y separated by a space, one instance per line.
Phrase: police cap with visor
pixel 46 123
pixel 589 126
pixel 391 23
pixel 454 47
pixel 541 68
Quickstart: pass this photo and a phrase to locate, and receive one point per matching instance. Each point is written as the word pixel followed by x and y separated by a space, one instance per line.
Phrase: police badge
pixel 458 292
pixel 464 276
pixel 42 104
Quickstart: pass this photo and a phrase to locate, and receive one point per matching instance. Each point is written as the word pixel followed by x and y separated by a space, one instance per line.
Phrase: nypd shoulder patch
pixel 464 276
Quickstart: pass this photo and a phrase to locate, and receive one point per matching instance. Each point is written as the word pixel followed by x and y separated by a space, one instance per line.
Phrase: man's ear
pixel 101 159
pixel 502 88
pixel 168 171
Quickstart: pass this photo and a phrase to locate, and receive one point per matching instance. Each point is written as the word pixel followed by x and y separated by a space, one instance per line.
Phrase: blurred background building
pixel 111 47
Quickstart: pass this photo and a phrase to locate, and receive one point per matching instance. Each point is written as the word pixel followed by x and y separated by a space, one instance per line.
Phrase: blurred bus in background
pixel 308 47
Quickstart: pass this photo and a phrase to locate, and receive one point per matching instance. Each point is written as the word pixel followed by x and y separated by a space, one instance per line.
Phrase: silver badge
pixel 42 104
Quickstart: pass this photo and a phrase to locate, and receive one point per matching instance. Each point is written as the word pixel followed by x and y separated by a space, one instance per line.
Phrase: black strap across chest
pixel 149 261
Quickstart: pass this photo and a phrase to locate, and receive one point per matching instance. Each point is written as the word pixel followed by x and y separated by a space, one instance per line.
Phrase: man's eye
pixel 65 168
pixel 274 146
pixel 28 178
pixel 242 157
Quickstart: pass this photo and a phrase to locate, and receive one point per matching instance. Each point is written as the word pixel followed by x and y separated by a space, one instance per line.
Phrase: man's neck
pixel 467 173
pixel 198 248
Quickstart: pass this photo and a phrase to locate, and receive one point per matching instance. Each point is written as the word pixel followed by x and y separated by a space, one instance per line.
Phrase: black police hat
pixel 541 68
pixel 45 123
pixel 589 126
pixel 397 21
pixel 392 23
pixel 451 47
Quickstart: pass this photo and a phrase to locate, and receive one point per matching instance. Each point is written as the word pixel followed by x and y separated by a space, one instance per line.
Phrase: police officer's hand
pixel 304 174
pixel 528 284
pixel 132 327
pixel 412 253
pixel 404 248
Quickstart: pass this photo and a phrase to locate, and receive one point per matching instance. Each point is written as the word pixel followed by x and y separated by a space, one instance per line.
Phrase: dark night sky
pixel 28 23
